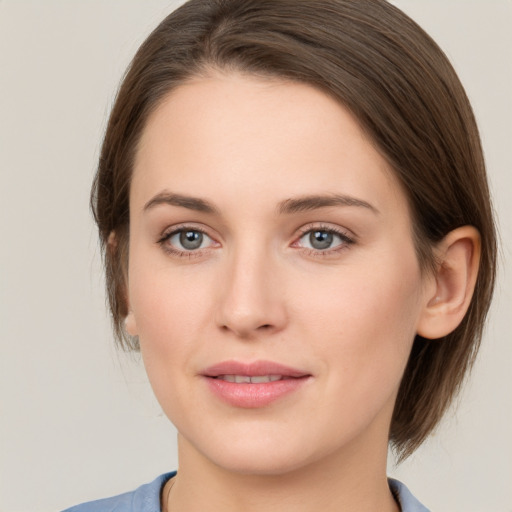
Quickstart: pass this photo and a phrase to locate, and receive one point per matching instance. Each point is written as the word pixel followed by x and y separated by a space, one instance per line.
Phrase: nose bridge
pixel 251 298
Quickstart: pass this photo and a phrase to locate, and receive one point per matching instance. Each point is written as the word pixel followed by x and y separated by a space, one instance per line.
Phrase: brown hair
pixel 400 86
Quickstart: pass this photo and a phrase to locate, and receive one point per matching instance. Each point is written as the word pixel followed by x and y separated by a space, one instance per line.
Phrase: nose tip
pixel 252 304
pixel 246 327
pixel 255 317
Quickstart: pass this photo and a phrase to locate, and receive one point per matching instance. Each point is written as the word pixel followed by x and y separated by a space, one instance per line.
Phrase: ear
pixel 130 324
pixel 448 299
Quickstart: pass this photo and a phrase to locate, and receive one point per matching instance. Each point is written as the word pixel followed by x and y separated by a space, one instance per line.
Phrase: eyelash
pixel 346 241
pixel 169 249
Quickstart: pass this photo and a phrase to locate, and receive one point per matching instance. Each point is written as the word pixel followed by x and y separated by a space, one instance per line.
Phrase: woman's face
pixel 273 280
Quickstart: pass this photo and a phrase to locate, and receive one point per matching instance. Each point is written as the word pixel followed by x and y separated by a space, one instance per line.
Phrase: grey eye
pixel 320 239
pixel 189 240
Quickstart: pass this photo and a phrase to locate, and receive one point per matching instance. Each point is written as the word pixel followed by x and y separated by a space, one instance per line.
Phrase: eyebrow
pixel 306 203
pixel 288 206
pixel 192 203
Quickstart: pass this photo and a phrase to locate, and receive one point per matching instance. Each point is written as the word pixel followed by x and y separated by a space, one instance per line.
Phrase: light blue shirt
pixel 147 499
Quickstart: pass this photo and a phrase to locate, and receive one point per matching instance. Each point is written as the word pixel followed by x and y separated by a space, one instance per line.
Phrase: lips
pixel 254 369
pixel 246 379
pixel 253 385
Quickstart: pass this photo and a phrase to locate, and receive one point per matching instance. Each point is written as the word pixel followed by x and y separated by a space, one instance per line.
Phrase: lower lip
pixel 252 396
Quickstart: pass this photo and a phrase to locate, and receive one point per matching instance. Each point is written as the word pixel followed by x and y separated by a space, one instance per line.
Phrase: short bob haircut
pixel 398 84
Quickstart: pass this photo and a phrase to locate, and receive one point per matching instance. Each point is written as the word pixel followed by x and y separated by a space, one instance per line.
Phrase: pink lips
pixel 253 385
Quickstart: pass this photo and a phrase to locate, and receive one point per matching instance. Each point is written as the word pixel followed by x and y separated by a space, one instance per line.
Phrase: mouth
pixel 268 370
pixel 253 385
pixel 247 379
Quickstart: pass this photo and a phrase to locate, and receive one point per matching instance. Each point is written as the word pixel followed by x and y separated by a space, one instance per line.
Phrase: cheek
pixel 167 309
pixel 172 307
pixel 365 323
pixel 377 296
pixel 162 293
pixel 168 315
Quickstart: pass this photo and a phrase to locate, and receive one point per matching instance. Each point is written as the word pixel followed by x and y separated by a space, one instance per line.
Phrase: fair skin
pixel 264 226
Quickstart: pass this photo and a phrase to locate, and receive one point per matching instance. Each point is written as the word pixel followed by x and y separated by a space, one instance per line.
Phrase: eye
pixel 187 240
pixel 323 239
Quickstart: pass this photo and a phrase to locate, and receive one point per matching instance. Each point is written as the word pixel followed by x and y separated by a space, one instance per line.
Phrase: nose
pixel 252 298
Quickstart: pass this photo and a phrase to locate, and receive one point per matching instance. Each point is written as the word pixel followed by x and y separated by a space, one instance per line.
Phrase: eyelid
pixel 330 228
pixel 190 226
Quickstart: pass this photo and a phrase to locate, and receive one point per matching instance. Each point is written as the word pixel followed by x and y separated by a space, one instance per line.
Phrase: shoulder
pixel 145 498
pixel 408 503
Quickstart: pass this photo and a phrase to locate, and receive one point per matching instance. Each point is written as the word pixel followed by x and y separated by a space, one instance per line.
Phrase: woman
pixel 298 237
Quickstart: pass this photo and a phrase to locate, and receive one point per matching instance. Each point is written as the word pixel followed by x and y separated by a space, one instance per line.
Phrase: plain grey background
pixel 77 418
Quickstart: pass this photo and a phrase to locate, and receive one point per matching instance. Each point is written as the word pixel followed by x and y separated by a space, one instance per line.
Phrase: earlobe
pixel 112 241
pixel 458 257
pixel 130 324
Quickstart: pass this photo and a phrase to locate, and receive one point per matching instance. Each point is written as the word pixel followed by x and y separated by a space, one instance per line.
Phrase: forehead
pixel 238 134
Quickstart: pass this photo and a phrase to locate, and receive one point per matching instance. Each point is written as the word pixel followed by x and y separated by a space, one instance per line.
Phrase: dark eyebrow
pixel 306 203
pixel 192 203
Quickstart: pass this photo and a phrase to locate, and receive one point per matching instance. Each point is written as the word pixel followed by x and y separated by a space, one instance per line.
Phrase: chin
pixel 263 455
pixel 261 464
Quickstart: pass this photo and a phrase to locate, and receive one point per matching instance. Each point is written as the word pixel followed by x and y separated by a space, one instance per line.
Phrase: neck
pixel 352 481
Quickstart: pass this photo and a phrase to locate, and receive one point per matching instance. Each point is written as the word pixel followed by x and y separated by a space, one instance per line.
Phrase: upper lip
pixel 253 369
